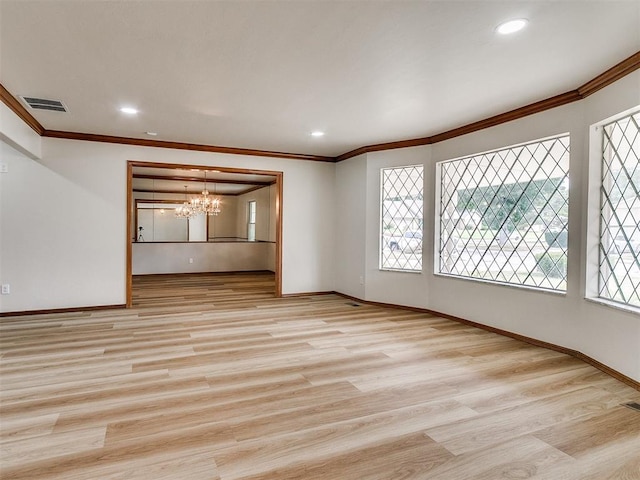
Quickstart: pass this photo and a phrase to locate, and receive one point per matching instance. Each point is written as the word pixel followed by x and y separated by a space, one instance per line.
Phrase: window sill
pixel 615 305
pixel 526 288
pixel 395 270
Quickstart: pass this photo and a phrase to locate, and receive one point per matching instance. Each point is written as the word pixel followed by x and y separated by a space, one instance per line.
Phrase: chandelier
pixel 186 209
pixel 206 203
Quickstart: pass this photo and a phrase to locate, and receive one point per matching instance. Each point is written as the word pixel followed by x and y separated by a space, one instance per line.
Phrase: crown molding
pixel 143 142
pixel 505 117
pixel 521 112
pixel 605 79
pixel 415 142
pixel 615 73
pixel 14 104
pixel 17 108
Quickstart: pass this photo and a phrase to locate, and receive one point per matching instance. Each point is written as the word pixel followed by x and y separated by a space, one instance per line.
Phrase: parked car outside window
pixel 411 241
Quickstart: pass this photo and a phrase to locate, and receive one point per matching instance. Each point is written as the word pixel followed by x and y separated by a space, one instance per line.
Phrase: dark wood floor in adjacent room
pixel 211 377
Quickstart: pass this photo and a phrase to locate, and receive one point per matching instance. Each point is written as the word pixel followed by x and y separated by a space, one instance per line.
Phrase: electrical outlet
pixel 6 289
pixel 4 168
pixel 191 260
pixel 361 280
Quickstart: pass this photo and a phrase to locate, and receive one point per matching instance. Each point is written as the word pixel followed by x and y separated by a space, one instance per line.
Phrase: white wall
pixel 609 335
pixel 197 227
pixel 350 213
pixel 265 213
pixel 358 231
pixel 81 205
pixel 162 227
pixel 63 232
pixel 18 143
pixel 408 288
pixel 18 134
pixel 150 258
pixel 221 225
pixel 224 224
pixel 65 246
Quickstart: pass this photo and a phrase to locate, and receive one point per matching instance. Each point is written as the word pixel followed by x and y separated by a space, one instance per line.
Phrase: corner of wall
pixel 18 134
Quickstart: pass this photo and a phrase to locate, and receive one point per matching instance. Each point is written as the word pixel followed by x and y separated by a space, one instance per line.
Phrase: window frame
pixel 594 230
pixel 419 222
pixel 437 251
pixel 252 213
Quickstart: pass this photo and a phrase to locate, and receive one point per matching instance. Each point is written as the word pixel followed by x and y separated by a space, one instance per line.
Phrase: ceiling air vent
pixel 44 104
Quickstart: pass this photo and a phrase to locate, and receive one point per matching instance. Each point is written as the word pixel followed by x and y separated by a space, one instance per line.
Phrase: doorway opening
pixel 193 220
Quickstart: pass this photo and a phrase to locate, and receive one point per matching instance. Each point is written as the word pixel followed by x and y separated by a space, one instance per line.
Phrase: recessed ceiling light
pixel 317 133
pixel 153 134
pixel 512 26
pixel 129 110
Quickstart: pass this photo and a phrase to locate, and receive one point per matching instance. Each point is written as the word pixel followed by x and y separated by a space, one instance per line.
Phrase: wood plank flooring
pixel 211 377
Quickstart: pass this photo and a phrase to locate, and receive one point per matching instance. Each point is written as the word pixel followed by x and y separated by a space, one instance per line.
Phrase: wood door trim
pixel 279 189
pixel 129 238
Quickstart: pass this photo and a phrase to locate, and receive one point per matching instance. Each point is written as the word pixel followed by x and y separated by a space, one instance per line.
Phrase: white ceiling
pixel 264 74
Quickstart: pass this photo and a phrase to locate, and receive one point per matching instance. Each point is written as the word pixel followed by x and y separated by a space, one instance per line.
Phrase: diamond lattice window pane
pixel 402 218
pixel 504 215
pixel 619 273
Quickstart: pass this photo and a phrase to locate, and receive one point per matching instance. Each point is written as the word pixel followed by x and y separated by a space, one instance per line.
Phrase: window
pixel 504 215
pixel 251 225
pixel 619 259
pixel 401 222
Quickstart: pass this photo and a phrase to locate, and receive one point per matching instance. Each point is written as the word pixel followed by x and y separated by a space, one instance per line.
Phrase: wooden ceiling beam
pixel 201 180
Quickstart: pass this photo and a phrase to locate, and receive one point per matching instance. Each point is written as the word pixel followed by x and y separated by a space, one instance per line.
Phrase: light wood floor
pixel 198 289
pixel 232 383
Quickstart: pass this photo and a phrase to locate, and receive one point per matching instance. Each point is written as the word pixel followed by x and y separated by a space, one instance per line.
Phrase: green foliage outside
pixel 552 264
pixel 624 185
pixel 557 239
pixel 507 206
